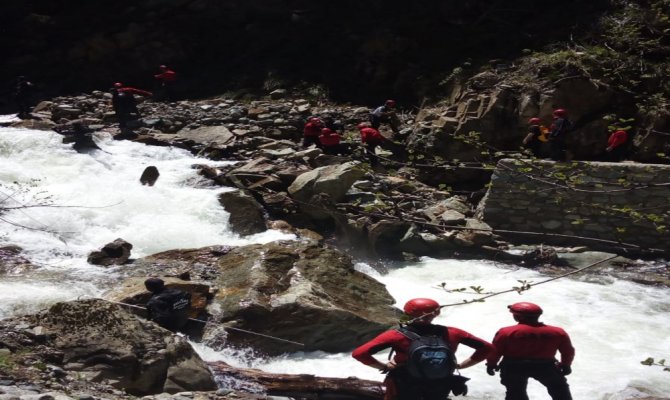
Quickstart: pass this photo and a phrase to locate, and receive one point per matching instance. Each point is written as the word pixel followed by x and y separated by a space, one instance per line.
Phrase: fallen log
pixel 296 386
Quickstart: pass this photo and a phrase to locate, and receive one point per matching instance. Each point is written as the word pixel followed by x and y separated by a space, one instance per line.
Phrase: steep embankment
pixel 357 50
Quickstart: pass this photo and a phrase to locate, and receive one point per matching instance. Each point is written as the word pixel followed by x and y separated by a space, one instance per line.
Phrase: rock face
pixel 103 343
pixel 301 292
pixel 246 214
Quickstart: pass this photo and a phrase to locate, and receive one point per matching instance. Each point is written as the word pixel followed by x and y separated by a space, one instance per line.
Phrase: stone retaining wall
pixel 623 202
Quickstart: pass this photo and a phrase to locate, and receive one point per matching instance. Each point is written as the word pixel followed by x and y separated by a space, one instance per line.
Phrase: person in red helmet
pixel 311 132
pixel 166 79
pixel 528 350
pixel 536 137
pixel 409 377
pixel 331 142
pixel 371 138
pixel 385 114
pixel 617 146
pixel 558 134
pixel 124 103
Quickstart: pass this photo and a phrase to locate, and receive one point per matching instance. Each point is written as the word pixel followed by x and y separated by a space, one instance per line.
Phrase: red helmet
pixel 560 113
pixel 535 121
pixel 327 131
pixel 525 308
pixel 417 308
pixel 362 125
pixel 390 103
pixel 118 84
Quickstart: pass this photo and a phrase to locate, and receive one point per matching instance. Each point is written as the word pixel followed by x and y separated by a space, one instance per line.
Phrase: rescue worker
pixel 400 383
pixel 168 307
pixel 385 114
pixel 23 96
pixel 536 138
pixel 528 350
pixel 124 103
pixel 558 134
pixel 166 79
pixel 371 138
pixel 617 146
pixel 331 142
pixel 312 131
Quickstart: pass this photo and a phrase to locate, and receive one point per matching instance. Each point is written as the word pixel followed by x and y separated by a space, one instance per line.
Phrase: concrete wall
pixel 610 201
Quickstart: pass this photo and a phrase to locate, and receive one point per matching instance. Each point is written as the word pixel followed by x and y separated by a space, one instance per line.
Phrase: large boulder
pixel 113 253
pixel 301 292
pixel 246 214
pixel 333 180
pixel 101 342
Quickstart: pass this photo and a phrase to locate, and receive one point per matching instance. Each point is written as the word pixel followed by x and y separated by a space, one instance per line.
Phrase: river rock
pixel 149 176
pixel 101 342
pixel 247 216
pixel 334 180
pixel 114 253
pixel 301 292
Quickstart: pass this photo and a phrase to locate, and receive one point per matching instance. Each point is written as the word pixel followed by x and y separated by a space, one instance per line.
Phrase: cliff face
pixel 357 50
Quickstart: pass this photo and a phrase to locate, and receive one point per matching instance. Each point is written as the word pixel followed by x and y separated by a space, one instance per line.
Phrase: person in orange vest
pixel 528 350
pixel 312 131
pixel 536 138
pixel 617 146
pixel 166 79
pixel 415 374
pixel 331 142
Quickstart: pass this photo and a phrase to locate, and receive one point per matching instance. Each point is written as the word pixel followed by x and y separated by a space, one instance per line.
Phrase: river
pixel 96 198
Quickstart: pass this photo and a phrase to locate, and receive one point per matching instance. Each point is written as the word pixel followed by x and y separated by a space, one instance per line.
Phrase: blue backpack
pixel 429 356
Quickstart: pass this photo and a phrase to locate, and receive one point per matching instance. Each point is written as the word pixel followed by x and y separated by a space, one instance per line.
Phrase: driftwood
pixel 297 386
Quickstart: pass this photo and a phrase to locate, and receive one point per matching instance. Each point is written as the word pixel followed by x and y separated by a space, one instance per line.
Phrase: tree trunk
pixel 300 386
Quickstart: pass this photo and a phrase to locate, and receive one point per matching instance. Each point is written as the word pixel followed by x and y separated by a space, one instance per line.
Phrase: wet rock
pixel 247 216
pixel 274 288
pixel 114 253
pixel 149 175
pixel 334 181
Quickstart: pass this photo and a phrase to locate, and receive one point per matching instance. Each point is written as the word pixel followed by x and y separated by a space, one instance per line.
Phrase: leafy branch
pixel 652 362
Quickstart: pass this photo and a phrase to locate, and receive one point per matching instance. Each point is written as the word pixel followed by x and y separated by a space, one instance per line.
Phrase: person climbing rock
pixel 536 137
pixel 558 134
pixel 23 96
pixel 331 142
pixel 371 138
pixel 312 131
pixel 385 113
pixel 168 307
pixel 528 350
pixel 166 80
pixel 124 103
pixel 428 374
pixel 617 146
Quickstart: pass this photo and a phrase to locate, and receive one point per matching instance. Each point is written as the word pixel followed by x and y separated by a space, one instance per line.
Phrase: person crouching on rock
pixel 124 103
pixel 311 132
pixel 168 307
pixel 330 142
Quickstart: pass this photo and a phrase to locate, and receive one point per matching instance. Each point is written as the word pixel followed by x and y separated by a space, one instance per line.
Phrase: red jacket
pixel 167 76
pixel 312 129
pixel 617 138
pixel 531 342
pixel 400 344
pixel 132 90
pixel 371 136
pixel 329 138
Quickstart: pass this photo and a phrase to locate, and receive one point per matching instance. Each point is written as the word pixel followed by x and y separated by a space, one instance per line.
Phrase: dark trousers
pixel 393 122
pixel 408 388
pixel 557 148
pixel 310 140
pixel 514 376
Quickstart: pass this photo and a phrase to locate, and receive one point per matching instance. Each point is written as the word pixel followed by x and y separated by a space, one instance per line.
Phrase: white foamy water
pixel 96 198
pixel 613 326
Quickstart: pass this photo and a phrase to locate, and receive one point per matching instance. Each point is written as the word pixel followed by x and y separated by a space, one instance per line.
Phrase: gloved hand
pixel 458 386
pixel 490 369
pixel 565 369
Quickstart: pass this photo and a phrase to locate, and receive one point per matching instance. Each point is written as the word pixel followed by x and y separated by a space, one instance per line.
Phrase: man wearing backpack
pixel 168 307
pixel 527 350
pixel 424 361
